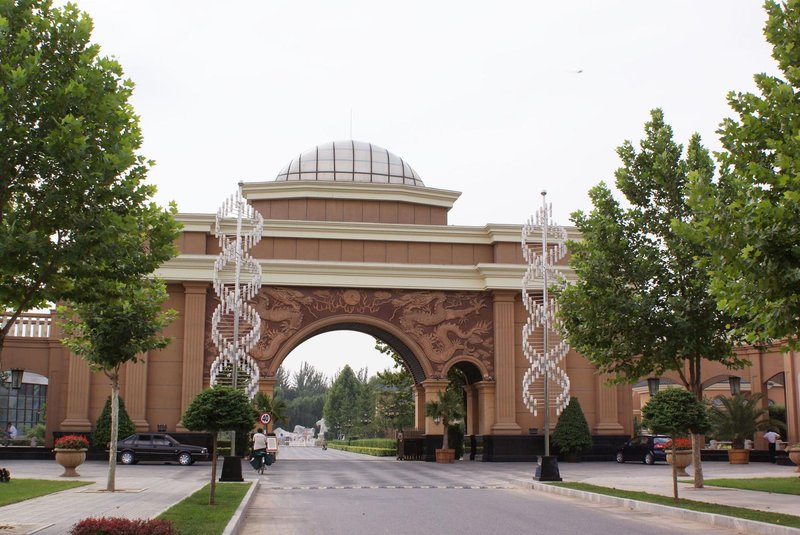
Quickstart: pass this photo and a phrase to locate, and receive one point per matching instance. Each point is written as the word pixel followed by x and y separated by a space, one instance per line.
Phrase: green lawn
pixel 780 485
pixel 738 512
pixel 194 516
pixel 18 490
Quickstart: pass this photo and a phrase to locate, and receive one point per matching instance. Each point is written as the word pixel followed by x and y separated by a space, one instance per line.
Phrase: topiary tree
pixel 572 435
pixel 221 408
pixel 675 412
pixel 102 428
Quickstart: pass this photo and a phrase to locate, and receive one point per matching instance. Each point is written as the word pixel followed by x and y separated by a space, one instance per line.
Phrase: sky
pixel 495 100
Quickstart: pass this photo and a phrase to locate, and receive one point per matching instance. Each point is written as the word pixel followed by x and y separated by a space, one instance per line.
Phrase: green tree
pixel 75 213
pixel 110 333
pixel 102 428
pixel 341 409
pixel 395 398
pixel 447 409
pixel 751 217
pixel 675 412
pixel 641 305
pixel 221 408
pixel 275 405
pixel 738 418
pixel 572 435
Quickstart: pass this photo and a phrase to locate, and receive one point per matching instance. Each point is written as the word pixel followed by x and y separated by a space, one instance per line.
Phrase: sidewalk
pixel 148 490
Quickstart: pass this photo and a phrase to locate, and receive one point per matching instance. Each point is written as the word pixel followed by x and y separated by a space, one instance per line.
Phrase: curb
pixel 740 524
pixel 238 516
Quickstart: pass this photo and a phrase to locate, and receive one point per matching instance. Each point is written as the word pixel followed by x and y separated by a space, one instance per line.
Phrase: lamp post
pixel 544 356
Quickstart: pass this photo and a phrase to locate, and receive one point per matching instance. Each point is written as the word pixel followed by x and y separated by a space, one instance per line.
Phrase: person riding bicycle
pixel 260 444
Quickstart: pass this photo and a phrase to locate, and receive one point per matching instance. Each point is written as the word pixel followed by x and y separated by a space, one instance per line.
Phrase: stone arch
pixel 473 369
pixel 411 353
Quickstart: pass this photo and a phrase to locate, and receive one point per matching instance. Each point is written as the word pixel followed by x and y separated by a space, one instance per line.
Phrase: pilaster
pixel 503 308
pixel 194 324
pixel 135 389
pixel 472 409
pixel 607 407
pixel 433 387
pixel 77 413
pixel 486 408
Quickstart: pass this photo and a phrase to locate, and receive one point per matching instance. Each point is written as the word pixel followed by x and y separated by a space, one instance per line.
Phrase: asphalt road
pixel 309 491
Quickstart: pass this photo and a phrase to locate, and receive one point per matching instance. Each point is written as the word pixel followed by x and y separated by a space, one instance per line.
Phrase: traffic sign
pixel 265 418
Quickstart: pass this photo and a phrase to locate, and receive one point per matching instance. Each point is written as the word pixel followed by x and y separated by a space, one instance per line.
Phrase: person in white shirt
pixel 772 438
pixel 10 434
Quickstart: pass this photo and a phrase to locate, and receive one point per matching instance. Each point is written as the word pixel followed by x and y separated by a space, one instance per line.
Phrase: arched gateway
pixel 354 240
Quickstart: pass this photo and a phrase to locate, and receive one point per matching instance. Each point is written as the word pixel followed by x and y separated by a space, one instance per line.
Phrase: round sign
pixel 265 418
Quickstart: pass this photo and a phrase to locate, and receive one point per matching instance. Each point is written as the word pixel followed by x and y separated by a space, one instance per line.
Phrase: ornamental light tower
pixel 235 324
pixel 545 385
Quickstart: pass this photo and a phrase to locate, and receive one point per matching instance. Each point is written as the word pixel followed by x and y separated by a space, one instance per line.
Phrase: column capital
pixel 504 296
pixel 195 287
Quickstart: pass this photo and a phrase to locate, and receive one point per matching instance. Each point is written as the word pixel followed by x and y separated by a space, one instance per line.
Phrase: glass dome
pixel 350 161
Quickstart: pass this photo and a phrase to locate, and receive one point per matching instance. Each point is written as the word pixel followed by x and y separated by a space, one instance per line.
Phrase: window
pixel 25 407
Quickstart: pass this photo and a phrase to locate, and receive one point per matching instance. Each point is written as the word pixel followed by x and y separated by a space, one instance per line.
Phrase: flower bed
pixel 72 442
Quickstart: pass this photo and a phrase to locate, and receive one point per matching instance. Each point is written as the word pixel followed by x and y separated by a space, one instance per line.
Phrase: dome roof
pixel 350 161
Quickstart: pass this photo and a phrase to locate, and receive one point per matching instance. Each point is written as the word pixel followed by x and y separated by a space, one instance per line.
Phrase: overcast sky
pixel 496 100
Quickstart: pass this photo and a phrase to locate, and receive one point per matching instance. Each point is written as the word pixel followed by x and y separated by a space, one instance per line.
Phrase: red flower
pixel 72 442
pixel 681 443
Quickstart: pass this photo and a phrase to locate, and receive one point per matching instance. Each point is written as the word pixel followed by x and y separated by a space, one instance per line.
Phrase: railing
pixel 28 324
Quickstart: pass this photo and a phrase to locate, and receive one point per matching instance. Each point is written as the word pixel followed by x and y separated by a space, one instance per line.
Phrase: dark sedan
pixel 646 449
pixel 158 447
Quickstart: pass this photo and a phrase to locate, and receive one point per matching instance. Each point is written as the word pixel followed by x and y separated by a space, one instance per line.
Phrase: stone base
pixel 232 469
pixel 548 469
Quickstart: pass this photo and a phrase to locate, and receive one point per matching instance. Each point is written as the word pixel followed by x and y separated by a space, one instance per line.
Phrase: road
pixel 312 491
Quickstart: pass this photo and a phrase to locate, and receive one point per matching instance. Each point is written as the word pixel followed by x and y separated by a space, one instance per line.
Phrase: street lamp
pixel 16 378
pixel 652 385
pixel 736 385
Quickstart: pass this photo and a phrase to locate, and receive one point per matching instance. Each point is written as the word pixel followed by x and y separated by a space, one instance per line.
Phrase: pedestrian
pixel 10 433
pixel 259 445
pixel 772 438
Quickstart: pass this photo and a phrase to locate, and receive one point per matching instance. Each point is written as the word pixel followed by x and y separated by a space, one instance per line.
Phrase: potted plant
pixel 794 454
pixel 571 435
pixel 70 453
pixel 737 418
pixel 679 454
pixel 447 409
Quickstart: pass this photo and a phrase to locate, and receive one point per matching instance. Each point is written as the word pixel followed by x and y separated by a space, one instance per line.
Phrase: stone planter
pixel 794 456
pixel 683 458
pixel 737 456
pixel 445 456
pixel 70 460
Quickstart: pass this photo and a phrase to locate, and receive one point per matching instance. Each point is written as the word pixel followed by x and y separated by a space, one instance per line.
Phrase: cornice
pixel 349 190
pixel 481 277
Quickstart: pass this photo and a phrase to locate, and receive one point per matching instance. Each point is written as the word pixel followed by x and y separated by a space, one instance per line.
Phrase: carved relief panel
pixel 445 325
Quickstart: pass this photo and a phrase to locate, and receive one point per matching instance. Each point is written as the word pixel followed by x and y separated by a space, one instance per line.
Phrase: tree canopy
pixel 75 213
pixel 640 304
pixel 750 218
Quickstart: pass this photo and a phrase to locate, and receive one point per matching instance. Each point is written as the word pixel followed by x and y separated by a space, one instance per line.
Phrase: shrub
pixel 102 428
pixel 72 442
pixel 572 435
pixel 5 475
pixel 122 526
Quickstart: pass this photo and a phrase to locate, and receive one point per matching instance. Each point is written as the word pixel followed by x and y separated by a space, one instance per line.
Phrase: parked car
pixel 158 447
pixel 647 449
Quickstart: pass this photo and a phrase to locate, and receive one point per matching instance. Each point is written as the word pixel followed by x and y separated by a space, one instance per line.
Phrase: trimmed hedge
pixel 375 452
pixel 122 526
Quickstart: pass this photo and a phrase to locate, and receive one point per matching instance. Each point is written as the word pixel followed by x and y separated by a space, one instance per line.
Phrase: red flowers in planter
pixel 681 443
pixel 72 442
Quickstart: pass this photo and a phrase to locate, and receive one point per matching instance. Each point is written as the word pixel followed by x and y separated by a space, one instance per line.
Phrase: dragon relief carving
pixel 444 324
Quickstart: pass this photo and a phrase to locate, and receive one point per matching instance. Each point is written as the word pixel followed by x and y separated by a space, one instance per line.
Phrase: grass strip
pixel 18 490
pixel 779 519
pixel 194 516
pixel 779 485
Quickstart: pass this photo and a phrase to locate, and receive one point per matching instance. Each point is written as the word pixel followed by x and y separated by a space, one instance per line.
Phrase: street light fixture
pixel 16 378
pixel 653 384
pixel 736 385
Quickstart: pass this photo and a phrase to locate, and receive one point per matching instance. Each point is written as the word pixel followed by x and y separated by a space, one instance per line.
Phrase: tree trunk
pixel 213 469
pixel 698 441
pixel 445 442
pixel 674 474
pixel 112 450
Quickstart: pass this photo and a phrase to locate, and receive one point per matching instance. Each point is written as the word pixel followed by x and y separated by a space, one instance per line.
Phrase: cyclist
pixel 260 447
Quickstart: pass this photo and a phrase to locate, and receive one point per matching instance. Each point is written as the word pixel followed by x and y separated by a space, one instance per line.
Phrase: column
pixel 194 316
pixel 77 413
pixel 419 407
pixel 433 387
pixel 756 370
pixel 791 367
pixel 505 421
pixel 266 385
pixel 486 409
pixel 472 410
pixel 135 392
pixel 607 408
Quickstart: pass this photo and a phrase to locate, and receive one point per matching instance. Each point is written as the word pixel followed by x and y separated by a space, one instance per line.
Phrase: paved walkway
pixel 152 488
